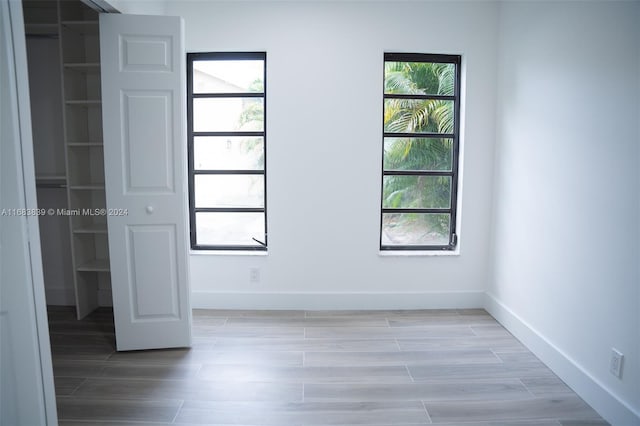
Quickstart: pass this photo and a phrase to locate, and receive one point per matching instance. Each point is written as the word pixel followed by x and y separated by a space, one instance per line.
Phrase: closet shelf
pixel 82 27
pixel 83 67
pixel 85 144
pixel 91 187
pixel 51 181
pixel 96 265
pixel 41 29
pixel 92 229
pixel 84 102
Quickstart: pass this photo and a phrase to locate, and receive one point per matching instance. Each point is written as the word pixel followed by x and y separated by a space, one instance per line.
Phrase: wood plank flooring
pixel 295 368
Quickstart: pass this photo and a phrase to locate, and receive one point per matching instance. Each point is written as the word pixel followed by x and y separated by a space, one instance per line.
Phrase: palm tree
pixel 252 119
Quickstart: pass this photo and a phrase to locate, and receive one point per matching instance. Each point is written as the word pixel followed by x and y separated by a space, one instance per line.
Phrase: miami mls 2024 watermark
pixel 64 212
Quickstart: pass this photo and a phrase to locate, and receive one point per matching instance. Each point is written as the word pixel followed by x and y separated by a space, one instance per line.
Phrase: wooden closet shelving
pixel 76 27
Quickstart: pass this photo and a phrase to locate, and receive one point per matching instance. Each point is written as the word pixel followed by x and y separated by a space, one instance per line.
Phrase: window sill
pixel 228 253
pixel 418 253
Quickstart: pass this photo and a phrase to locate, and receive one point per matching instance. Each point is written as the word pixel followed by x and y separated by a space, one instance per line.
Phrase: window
pixel 226 110
pixel 420 151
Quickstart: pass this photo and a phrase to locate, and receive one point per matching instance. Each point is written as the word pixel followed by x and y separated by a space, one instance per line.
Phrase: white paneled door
pixel 144 103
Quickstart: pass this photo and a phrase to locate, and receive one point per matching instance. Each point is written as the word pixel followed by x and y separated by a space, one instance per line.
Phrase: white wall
pixel 324 112
pixel 565 276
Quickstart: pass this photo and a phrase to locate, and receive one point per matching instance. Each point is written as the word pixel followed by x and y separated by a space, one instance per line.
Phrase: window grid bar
pixel 227 172
pixel 419 97
pixel 419 135
pixel 229 209
pixel 233 56
pixel 416 210
pixel 229 95
pixel 415 248
pixel 421 57
pixel 230 133
pixel 416 173
pixel 230 248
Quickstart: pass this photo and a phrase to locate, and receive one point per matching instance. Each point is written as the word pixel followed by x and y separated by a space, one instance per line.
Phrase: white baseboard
pixel 613 409
pixel 337 301
pixel 60 297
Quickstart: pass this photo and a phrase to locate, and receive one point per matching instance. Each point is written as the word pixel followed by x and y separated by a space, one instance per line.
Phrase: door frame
pixel 12 18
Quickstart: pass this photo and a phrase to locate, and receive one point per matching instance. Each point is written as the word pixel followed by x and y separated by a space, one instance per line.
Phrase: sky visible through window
pixel 237 73
pixel 230 100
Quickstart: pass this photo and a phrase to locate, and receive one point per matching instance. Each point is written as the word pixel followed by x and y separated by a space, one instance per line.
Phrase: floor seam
pixel 178 411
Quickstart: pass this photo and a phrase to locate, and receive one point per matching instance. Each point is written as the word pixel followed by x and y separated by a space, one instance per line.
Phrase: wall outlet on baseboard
pixel 254 275
pixel 615 364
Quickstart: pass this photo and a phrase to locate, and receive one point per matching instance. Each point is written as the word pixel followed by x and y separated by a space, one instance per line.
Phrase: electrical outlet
pixel 254 275
pixel 615 365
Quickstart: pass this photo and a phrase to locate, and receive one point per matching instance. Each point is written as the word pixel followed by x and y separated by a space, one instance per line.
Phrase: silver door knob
pixel 149 209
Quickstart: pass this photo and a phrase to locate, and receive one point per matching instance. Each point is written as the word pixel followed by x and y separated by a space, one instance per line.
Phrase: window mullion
pixel 419 97
pixel 228 172
pixel 229 95
pixel 421 210
pixel 431 135
pixel 388 172
pixel 229 209
pixel 255 134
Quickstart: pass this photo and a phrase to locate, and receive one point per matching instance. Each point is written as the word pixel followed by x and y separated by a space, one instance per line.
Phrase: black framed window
pixel 226 112
pixel 421 123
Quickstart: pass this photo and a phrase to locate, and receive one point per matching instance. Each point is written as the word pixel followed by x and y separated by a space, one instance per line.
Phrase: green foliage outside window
pixel 410 115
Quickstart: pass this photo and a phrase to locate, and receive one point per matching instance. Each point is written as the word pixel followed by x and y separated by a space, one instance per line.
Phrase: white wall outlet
pixel 254 275
pixel 615 365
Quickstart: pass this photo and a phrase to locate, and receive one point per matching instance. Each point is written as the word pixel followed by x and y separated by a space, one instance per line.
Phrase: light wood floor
pixel 311 368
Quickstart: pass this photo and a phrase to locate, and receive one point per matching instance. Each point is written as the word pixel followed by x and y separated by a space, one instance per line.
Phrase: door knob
pixel 149 209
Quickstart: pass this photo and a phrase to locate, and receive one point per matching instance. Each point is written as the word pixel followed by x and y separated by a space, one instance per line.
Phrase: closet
pixel 144 107
pixel 63 50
